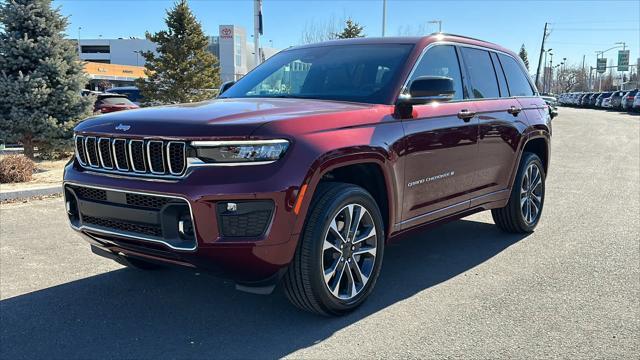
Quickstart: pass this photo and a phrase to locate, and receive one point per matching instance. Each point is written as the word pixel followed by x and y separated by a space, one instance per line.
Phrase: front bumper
pixel 246 259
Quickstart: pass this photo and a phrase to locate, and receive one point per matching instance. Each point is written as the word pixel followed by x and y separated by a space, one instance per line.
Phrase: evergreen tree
pixel 523 55
pixel 351 30
pixel 182 70
pixel 40 78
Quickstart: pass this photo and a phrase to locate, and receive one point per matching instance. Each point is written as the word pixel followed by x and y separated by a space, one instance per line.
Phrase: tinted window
pixel 483 77
pixel 441 61
pixel 504 90
pixel 360 73
pixel 115 101
pixel 516 78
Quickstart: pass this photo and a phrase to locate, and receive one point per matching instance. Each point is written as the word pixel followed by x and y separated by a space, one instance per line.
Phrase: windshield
pixel 359 73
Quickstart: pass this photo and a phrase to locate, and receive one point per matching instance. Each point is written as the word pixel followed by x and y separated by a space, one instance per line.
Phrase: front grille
pixel 153 230
pixel 87 193
pixel 152 157
pixel 124 214
pixel 146 201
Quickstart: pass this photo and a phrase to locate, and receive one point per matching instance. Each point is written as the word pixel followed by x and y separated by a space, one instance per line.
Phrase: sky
pixel 577 27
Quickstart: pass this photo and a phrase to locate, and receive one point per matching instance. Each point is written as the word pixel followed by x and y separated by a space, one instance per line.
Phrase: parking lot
pixel 464 290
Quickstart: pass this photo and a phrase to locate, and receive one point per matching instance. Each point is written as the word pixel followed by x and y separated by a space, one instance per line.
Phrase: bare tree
pixel 318 31
pixel 410 30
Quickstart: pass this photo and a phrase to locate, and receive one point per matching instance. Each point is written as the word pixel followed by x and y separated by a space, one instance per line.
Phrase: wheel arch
pixel 369 170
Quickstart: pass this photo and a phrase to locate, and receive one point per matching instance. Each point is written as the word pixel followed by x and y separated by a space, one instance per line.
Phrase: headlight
pixel 251 151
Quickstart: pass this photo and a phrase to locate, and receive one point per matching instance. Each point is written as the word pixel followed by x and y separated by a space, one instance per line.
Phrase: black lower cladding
pixel 246 219
pixel 140 216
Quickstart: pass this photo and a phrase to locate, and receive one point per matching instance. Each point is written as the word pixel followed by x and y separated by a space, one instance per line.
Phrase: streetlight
pixel 137 56
pixel 439 22
pixel 544 78
pixel 79 48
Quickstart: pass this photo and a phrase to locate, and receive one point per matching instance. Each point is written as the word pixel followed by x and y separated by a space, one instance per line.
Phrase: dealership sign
pixel 226 33
pixel 623 60
pixel 602 65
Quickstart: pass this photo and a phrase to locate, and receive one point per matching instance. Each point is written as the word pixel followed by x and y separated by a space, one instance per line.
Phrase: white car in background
pixel 606 103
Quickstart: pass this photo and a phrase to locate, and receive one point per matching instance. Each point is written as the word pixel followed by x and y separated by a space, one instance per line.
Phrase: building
pixel 235 54
pixel 117 75
pixel 115 51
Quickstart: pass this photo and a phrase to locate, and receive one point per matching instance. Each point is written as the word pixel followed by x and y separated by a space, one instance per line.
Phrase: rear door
pixel 501 120
pixel 441 148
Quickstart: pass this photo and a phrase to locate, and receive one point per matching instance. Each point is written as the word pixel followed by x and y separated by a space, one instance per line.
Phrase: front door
pixel 441 146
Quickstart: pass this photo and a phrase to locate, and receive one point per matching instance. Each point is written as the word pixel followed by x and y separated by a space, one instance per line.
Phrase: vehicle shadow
pixel 177 314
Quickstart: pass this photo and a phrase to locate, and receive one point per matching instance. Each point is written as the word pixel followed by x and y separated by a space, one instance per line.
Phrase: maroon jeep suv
pixel 303 170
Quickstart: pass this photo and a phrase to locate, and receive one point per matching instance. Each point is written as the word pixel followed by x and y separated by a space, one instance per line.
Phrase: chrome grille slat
pixel 155 156
pixel 172 147
pixel 120 154
pixel 137 156
pixel 81 155
pixel 160 158
pixel 91 151
pixel 105 156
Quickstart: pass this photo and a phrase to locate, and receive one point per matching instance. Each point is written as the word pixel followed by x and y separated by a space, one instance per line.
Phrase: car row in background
pixel 623 100
pixel 109 101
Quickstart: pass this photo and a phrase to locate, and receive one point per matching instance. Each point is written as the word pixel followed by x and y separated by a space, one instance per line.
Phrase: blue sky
pixel 578 27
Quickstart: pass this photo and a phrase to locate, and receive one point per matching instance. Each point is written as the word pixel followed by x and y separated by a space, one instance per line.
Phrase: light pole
pixel 79 48
pixel 439 22
pixel 384 16
pixel 137 55
pixel 544 71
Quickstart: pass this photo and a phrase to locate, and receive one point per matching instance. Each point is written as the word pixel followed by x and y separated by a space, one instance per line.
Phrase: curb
pixel 29 193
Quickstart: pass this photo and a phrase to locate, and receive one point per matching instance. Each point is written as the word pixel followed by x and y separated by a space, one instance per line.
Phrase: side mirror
pixel 553 112
pixel 425 89
pixel 225 86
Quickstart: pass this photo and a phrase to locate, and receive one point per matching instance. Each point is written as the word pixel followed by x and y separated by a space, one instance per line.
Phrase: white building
pixel 115 51
pixel 234 52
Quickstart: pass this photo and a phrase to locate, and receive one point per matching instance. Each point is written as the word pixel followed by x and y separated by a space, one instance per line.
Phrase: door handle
pixel 514 110
pixel 466 115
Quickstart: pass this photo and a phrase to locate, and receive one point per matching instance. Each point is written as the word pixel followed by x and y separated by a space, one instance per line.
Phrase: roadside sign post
pixel 601 68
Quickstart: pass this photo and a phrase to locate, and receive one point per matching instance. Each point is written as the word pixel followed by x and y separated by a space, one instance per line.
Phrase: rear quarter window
pixel 519 85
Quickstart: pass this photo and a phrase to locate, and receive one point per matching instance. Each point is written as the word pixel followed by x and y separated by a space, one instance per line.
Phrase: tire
pixel 139 264
pixel 514 218
pixel 305 284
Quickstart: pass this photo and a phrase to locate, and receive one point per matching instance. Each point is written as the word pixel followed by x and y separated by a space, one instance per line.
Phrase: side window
pixel 480 69
pixel 519 85
pixel 441 60
pixel 504 90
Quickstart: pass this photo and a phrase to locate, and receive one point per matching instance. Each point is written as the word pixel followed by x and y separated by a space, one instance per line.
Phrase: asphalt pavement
pixel 462 290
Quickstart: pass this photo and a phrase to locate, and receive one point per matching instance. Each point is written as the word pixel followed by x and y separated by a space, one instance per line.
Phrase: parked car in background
pixel 584 100
pixel 592 100
pixel 132 92
pixel 635 107
pixel 106 103
pixel 601 97
pixel 616 99
pixel 606 102
pixel 627 99
pixel 307 185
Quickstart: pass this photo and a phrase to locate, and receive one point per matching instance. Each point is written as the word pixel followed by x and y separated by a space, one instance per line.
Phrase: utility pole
pixel 257 29
pixel 544 37
pixel 384 16
pixel 583 74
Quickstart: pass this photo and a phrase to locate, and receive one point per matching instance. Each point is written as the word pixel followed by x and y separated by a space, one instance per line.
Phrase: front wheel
pixel 522 213
pixel 340 251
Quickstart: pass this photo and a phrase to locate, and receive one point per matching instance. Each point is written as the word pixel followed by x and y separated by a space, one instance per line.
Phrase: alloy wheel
pixel 531 193
pixel 349 251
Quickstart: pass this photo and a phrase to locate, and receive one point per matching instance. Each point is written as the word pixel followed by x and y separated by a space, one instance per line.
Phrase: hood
pixel 215 118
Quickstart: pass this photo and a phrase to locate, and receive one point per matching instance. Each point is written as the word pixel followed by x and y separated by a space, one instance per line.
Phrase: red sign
pixel 226 33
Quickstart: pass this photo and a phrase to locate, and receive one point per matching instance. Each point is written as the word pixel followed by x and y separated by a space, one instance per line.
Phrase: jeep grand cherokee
pixel 302 171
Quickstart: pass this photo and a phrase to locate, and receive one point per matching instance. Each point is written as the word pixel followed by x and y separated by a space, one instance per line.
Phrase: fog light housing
pixel 244 219
pixel 185 228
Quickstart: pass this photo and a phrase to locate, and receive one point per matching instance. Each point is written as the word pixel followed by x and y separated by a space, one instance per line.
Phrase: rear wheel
pixel 522 213
pixel 340 251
